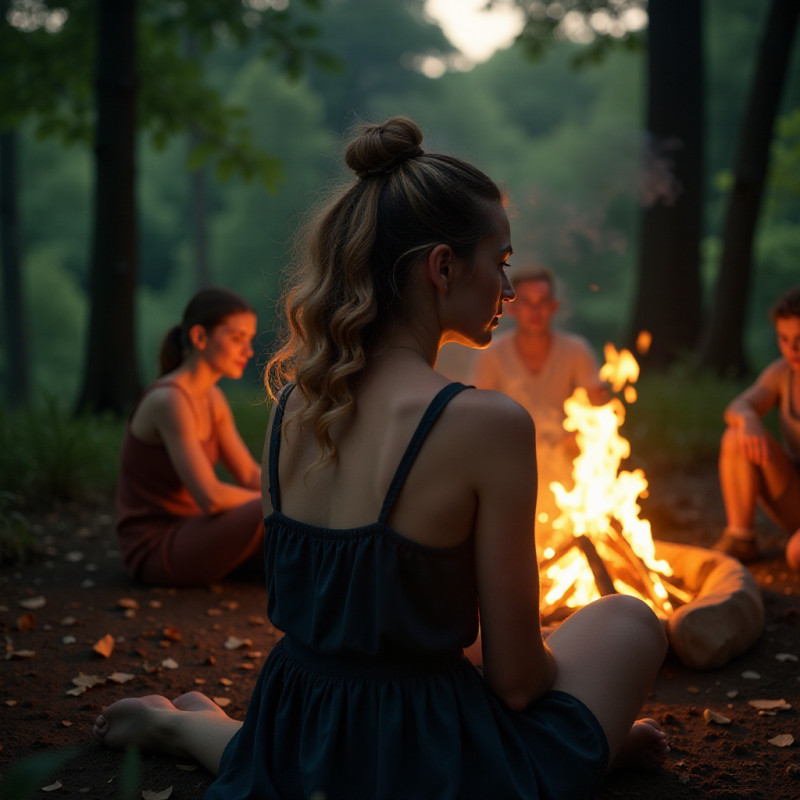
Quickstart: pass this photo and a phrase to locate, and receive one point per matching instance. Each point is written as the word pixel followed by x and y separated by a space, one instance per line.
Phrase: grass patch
pixel 48 455
pixel 677 418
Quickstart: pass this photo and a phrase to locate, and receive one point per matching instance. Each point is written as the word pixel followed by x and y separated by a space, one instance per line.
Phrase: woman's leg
pixel 202 550
pixel 192 726
pixel 608 654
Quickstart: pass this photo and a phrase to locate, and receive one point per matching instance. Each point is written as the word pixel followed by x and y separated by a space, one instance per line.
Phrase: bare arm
pixel 174 420
pixel 517 664
pixel 234 453
pixel 744 415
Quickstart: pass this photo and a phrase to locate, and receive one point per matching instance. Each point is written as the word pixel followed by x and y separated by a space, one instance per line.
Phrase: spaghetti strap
pixel 275 447
pixel 430 416
pixel 158 385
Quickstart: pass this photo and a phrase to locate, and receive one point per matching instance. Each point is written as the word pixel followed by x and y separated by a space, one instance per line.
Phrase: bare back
pixel 436 506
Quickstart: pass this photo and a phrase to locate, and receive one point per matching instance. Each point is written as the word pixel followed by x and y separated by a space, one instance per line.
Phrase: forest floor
pixel 79 634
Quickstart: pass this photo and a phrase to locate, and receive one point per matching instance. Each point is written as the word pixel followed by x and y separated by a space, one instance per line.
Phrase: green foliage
pixel 786 156
pixel 17 543
pixel 48 455
pixel 26 777
pixel 677 418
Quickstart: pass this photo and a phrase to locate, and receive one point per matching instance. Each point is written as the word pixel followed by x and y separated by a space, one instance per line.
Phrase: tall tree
pixel 17 373
pixel 111 376
pixel 50 82
pixel 668 296
pixel 723 343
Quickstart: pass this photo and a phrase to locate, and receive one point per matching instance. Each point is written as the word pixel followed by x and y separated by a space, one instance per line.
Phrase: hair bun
pixel 380 149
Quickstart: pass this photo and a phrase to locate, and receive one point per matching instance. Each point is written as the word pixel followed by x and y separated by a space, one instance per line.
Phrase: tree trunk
pixel 198 227
pixel 668 296
pixel 17 373
pixel 111 375
pixel 723 343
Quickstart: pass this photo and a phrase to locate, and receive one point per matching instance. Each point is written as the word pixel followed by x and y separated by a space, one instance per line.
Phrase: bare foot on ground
pixel 150 723
pixel 645 747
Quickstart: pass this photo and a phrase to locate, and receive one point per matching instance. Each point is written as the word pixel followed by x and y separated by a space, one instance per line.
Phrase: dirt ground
pixel 59 610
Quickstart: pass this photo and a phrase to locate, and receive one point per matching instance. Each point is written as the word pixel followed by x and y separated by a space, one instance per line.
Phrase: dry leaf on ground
pixel 104 647
pixel 713 716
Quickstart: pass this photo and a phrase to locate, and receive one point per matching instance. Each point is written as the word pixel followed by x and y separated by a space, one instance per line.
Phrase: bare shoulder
pixel 486 415
pixel 166 397
pixel 773 372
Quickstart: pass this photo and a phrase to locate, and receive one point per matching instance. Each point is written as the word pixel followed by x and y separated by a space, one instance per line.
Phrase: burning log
pixel 605 547
pixel 601 577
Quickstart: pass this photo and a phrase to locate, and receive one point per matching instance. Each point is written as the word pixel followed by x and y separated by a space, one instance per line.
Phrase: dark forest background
pixel 148 148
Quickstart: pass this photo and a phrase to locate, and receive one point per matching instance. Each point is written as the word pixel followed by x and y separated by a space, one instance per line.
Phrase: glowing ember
pixel 599 543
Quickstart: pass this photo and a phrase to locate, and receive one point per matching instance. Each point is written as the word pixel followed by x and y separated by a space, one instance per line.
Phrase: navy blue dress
pixel 368 695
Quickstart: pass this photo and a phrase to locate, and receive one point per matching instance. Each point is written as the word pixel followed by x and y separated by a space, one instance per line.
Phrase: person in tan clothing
pixel 753 466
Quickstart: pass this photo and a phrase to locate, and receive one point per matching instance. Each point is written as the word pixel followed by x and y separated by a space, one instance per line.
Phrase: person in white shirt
pixel 540 366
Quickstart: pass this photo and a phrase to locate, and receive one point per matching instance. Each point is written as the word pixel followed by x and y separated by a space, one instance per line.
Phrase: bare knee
pixel 793 551
pixel 729 446
pixel 632 619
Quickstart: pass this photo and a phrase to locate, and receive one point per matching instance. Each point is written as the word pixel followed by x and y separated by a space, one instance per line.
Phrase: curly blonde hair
pixel 352 272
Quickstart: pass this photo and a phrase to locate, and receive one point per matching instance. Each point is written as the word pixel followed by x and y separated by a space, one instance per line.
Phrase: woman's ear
pixel 439 266
pixel 198 337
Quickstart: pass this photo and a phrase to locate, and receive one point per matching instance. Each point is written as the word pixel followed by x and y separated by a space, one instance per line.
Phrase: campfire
pixel 599 544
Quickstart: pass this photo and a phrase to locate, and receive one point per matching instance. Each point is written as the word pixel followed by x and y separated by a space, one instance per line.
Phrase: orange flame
pixel 603 505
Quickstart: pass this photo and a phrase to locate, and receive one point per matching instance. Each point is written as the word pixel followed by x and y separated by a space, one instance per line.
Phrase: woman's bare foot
pixel 151 722
pixel 645 747
pixel 141 722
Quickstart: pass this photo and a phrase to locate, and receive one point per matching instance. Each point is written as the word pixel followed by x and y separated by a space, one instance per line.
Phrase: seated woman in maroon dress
pixel 178 523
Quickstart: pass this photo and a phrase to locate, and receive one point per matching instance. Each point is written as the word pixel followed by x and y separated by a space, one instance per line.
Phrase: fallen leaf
pixel 52 787
pixel 148 794
pixel 154 603
pixel 33 602
pixel 256 620
pixel 26 622
pixel 786 657
pixel 68 622
pixel 21 654
pixel 770 705
pixel 782 740
pixel 246 665
pixel 88 680
pixel 169 663
pixel 11 702
pixel 121 677
pixel 66 723
pixel 127 602
pixel 713 716
pixel 751 675
pixel 226 681
pixel 199 681
pixel 732 693
pixel 222 701
pixel 234 643
pixel 68 639
pixel 172 633
pixel 77 691
pixel 214 612
pixel 105 646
